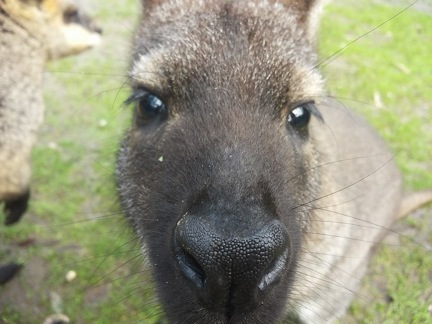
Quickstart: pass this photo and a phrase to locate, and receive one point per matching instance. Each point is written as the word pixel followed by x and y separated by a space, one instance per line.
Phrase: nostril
pixel 274 271
pixel 190 268
pixel 230 270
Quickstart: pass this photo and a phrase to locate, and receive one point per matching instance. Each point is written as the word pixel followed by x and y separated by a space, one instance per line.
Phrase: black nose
pixel 231 264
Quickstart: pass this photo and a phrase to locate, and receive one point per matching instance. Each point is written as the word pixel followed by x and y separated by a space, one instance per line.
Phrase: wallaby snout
pixel 231 263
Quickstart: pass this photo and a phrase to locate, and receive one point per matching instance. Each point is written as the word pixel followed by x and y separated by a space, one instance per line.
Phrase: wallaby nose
pixel 230 266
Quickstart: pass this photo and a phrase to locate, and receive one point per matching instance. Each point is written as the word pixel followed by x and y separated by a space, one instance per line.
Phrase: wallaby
pixel 32 32
pixel 256 199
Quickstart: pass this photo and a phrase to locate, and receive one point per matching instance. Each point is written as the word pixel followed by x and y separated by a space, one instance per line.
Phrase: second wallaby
pixel 31 32
pixel 256 198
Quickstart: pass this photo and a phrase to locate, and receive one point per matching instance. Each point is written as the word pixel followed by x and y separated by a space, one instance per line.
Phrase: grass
pixel 74 221
pixel 393 64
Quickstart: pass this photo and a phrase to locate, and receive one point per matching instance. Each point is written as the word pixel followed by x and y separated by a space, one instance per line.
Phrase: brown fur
pixel 31 32
pixel 230 74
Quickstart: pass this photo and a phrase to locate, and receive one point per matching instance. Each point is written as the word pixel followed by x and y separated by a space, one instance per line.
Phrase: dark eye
pixel 148 106
pixel 151 106
pixel 300 116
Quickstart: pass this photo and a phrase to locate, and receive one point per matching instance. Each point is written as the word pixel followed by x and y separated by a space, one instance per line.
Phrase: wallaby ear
pixel 310 12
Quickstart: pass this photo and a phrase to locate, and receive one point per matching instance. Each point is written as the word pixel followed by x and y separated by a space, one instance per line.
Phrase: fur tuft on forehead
pixel 307 11
pixel 250 43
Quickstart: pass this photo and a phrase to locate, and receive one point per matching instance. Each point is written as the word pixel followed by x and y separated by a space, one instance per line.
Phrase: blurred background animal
pixel 31 33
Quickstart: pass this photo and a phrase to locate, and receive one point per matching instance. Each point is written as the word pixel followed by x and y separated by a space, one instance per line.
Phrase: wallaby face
pixel 30 33
pixel 244 186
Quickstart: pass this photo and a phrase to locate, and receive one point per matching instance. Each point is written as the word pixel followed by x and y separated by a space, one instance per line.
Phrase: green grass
pixel 74 217
pixel 393 61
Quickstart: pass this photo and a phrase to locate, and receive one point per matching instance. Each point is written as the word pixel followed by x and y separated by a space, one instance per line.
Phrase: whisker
pixel 339 52
pixel 373 225
pixel 342 161
pixel 353 239
pixel 114 215
pixel 346 187
pixel 321 261
pixel 120 266
pixel 104 256
pixel 86 73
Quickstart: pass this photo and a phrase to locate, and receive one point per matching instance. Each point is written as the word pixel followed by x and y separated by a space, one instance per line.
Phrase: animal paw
pixel 15 208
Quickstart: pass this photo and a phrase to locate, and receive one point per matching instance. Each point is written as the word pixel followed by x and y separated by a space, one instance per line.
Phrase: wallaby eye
pixel 300 116
pixel 148 106
pixel 151 106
